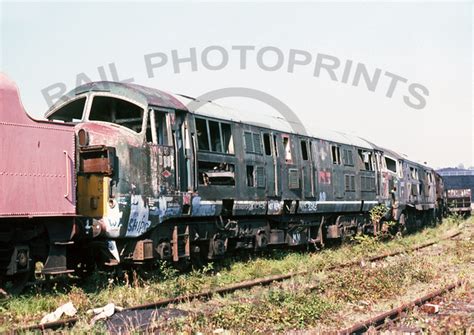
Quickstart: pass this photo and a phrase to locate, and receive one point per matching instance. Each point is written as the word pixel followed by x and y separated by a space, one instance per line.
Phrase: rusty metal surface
pixel 365 325
pixel 222 290
pixel 49 325
pixel 37 161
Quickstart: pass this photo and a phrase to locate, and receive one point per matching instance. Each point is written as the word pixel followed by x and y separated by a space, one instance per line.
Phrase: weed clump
pixel 276 310
pixel 378 283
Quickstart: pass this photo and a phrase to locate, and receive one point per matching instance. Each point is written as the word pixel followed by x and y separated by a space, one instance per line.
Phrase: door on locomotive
pixel 171 163
pixel 307 173
pixel 271 164
pixel 337 172
pixel 291 185
pixel 183 153
pixel 158 138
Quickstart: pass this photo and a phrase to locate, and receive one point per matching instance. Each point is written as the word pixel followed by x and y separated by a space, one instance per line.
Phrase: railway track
pixel 393 314
pixel 207 294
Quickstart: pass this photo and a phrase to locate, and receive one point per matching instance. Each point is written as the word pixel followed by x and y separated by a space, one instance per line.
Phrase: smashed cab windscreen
pixel 71 112
pixel 118 111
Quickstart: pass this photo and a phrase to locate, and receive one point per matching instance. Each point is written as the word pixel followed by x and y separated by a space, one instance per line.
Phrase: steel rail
pixel 363 326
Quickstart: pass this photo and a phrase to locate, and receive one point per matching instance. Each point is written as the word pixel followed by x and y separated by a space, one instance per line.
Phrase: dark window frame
pixel 229 150
pixel 267 145
pixel 305 156
pixel 387 159
pixel 336 154
pixel 123 121
pixel 288 153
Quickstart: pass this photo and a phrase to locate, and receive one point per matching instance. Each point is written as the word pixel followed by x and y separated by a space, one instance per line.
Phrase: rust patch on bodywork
pixel 97 159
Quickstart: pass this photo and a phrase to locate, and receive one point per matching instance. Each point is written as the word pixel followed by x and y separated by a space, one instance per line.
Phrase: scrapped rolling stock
pixel 125 174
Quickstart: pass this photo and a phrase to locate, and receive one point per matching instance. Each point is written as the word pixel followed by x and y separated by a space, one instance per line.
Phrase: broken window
pixel 336 154
pixel 391 164
pixel 365 158
pixel 118 111
pixel 267 145
pixel 414 173
pixel 214 136
pixel 400 169
pixel 304 150
pixel 430 177
pixel 161 128
pixel 227 138
pixel 71 112
pixel 287 146
pixel 215 173
pixel 250 176
pixel 201 129
pixel 158 120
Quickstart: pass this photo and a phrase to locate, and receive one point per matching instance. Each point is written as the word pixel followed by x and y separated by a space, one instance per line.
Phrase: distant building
pixel 456 179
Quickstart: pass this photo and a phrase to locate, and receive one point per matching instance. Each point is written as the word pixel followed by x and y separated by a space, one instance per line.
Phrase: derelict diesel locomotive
pixel 121 173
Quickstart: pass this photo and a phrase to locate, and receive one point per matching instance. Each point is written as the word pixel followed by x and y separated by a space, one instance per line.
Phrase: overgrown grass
pixel 101 288
pixel 371 285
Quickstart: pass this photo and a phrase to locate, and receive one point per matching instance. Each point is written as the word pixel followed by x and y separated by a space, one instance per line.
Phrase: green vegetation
pixel 294 304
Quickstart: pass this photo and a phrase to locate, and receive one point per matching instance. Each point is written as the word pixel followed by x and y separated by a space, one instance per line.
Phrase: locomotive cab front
pixel 127 151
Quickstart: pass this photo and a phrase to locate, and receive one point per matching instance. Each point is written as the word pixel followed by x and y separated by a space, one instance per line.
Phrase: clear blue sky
pixel 427 43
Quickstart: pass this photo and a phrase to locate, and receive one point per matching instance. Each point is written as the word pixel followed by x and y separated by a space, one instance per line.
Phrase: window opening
pixel 118 111
pixel 336 154
pixel 250 176
pixel 391 164
pixel 203 139
pixel 287 146
pixel 267 145
pixel 304 150
pixel 71 112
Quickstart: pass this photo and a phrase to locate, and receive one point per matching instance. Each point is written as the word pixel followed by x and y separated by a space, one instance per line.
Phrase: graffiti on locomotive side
pixel 307 207
pixel 324 177
pixel 164 207
pixel 274 207
pixel 138 222
pixel 203 208
pixel 113 220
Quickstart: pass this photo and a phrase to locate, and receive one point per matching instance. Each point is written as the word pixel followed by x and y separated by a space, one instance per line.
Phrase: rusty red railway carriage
pixel 124 174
